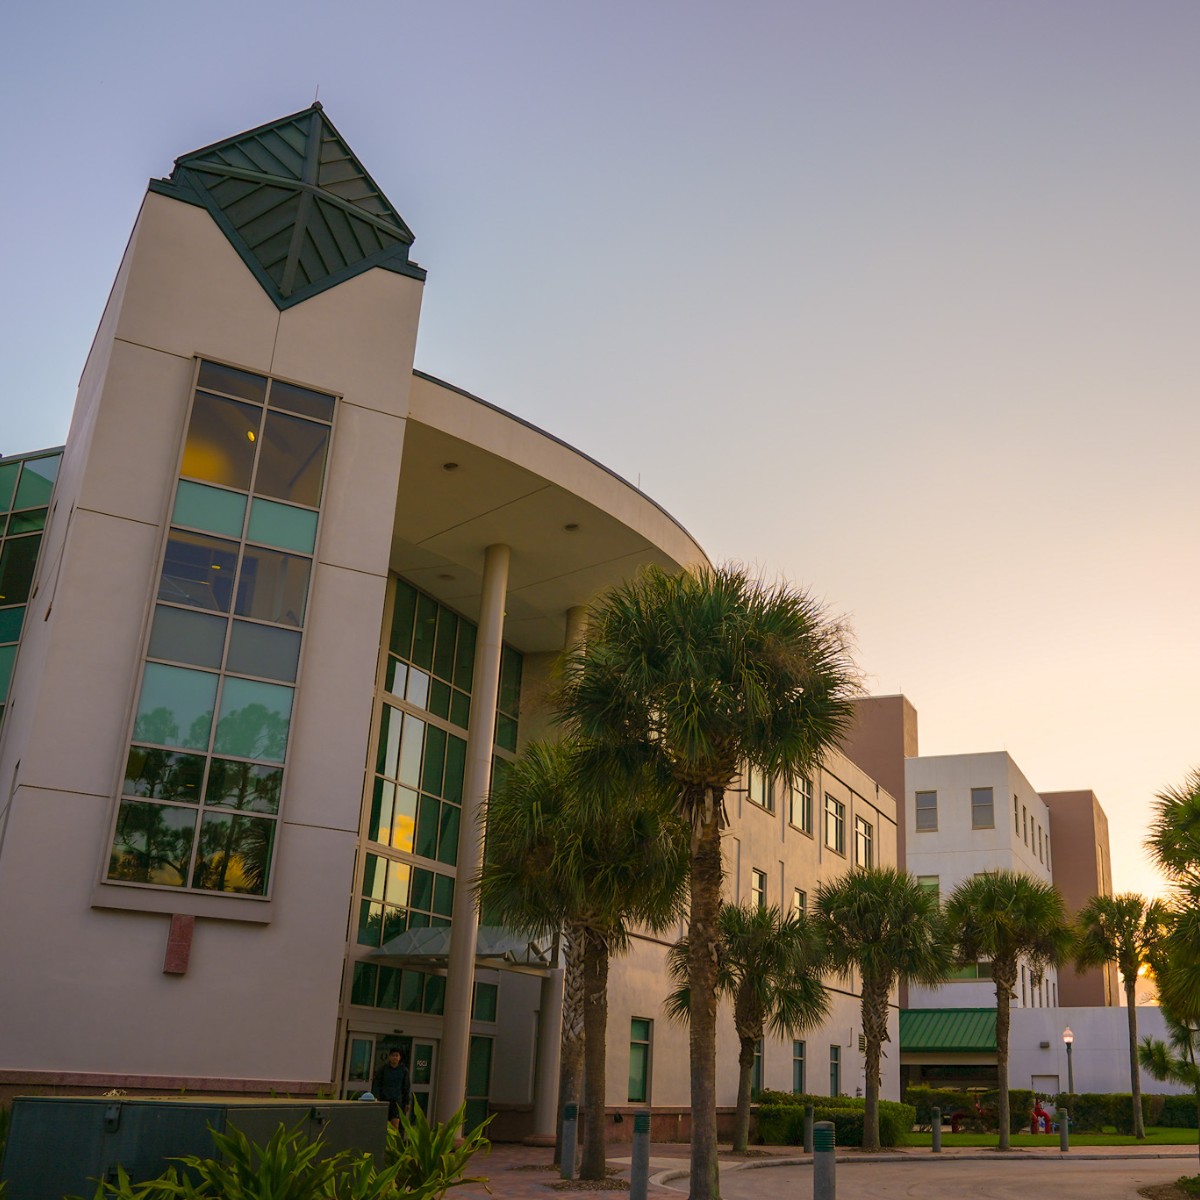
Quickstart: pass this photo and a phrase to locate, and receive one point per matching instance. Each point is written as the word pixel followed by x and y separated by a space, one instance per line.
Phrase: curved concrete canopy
pixel 573 526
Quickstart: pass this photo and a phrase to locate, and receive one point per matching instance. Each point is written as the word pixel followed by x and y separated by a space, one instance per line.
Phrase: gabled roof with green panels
pixel 947 1030
pixel 296 204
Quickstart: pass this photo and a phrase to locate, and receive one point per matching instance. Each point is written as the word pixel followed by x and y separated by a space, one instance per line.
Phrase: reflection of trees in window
pixel 253 731
pixel 243 785
pixel 152 844
pixel 234 855
pixel 163 774
pixel 159 725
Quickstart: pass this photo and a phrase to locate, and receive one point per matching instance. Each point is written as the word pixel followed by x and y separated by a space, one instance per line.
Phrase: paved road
pixel 959 1179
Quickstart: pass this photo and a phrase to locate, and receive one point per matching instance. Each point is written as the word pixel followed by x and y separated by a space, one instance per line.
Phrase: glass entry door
pixel 365 1052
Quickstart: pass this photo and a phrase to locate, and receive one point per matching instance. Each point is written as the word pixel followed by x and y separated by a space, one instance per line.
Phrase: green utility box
pixel 59 1146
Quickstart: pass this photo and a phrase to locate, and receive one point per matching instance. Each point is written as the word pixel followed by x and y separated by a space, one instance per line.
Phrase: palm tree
pixel 769 966
pixel 1178 1062
pixel 1123 930
pixel 553 861
pixel 1174 841
pixel 1009 918
pixel 880 922
pixel 690 676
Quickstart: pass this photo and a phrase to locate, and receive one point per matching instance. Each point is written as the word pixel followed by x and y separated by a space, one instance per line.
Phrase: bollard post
pixel 639 1170
pixel 808 1129
pixel 824 1162
pixel 570 1130
pixel 937 1131
pixel 1064 1135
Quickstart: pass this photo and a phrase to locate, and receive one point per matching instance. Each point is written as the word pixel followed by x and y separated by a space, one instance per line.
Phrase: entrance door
pixel 365 1052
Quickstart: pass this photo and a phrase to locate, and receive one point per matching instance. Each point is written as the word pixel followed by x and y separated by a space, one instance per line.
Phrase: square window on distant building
pixel 800 803
pixel 758 888
pixel 930 883
pixel 835 824
pixel 761 789
pixel 864 843
pixel 926 811
pixel 799 902
pixel 982 809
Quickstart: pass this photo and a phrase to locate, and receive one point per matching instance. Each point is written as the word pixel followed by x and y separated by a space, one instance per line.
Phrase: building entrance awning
pixel 494 947
pixel 947 1030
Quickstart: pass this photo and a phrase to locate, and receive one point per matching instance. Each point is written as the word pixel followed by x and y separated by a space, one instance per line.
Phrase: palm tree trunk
pixel 741 1120
pixel 874 1019
pixel 1006 980
pixel 595 1019
pixel 570 1069
pixel 1135 1078
pixel 703 935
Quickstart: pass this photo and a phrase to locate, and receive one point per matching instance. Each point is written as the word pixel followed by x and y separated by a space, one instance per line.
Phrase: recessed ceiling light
pixel 449 466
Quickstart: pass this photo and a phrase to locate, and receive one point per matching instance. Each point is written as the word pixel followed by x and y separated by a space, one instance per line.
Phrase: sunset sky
pixel 896 300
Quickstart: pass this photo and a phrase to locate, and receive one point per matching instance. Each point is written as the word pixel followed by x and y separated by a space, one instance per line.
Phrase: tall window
pixel 930 883
pixel 1025 823
pixel 799 902
pixel 835 1070
pixel 1016 814
pixel 204 778
pixel 835 824
pixel 926 811
pixel 1041 850
pixel 864 843
pixel 761 789
pixel 758 888
pixel 797 1066
pixel 800 804
pixel 640 1030
pixel 982 810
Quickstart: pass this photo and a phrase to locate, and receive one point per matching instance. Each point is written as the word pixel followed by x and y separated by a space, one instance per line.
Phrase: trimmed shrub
pixel 1178 1112
pixel 782 1124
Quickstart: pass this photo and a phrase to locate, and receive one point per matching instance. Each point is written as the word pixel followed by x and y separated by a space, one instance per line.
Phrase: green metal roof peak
pixel 296 204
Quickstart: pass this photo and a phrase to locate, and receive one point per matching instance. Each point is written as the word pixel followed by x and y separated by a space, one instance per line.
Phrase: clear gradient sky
pixel 897 300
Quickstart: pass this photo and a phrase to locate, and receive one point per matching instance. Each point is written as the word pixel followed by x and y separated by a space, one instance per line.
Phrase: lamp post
pixel 1069 1041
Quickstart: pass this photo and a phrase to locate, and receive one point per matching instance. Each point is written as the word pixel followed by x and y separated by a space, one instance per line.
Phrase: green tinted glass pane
pixel 439 698
pixel 221 440
pixel 175 707
pixel 404 819
pixel 417 920
pixel 456 758
pixel 485 1002
pixel 233 381
pixel 479 1069
pixel 198 570
pixel 416 690
pixel 273 586
pixel 388 995
pixel 370 923
pixel 362 989
pixel 464 656
pixel 411 985
pixel 301 400
pixel 638 1061
pixel 37 482
pixel 425 842
pixel 506 732
pixel 443 654
pixel 254 720
pixel 188 637
pixel 448 835
pixel 8 484
pixel 291 463
pixel 379 824
pixel 435 994
pixel 460 709
pixel 405 610
pixel 375 877
pixel 8 655
pixel 11 620
pixel 209 508
pixel 443 895
pixel 387 752
pixel 283 526
pixel 424 631
pixel 435 761
pixel 393 922
pixel 27 522
pixel 163 774
pixel 411 745
pixel 639 1030
pixel 249 787
pixel 234 854
pixel 395 676
pixel 263 650
pixel 152 844
pixel 421 895
pixel 18 558
pixel 397 882
pixel 510 681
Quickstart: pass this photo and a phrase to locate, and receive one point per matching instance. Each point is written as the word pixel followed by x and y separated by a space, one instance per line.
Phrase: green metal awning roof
pixel 933 1030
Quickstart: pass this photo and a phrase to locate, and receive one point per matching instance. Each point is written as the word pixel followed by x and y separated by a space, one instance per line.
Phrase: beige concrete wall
pixel 259 1000
pixel 1082 869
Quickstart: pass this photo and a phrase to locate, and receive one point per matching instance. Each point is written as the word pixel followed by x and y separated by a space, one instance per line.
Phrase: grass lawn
pixel 1155 1136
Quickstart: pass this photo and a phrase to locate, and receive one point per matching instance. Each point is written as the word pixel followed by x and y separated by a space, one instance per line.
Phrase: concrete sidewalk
pixel 518 1172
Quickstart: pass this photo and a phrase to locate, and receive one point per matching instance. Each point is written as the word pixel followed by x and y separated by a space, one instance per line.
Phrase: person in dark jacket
pixel 391 1083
